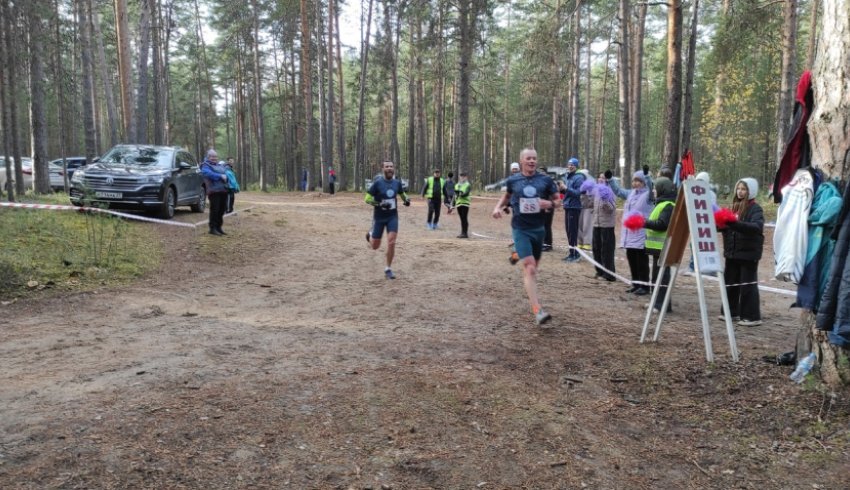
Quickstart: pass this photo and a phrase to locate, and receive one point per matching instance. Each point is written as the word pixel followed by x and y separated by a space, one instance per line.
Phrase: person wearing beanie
pixel 514 168
pixel 743 241
pixel 657 224
pixel 571 188
pixel 638 202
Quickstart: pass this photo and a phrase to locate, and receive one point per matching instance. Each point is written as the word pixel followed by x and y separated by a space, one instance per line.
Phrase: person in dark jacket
pixel 657 224
pixel 743 241
pixel 571 188
pixel 215 177
pixel 232 184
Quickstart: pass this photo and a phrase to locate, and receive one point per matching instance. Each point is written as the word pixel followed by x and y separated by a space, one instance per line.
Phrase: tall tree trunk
pixel 36 12
pixel 343 164
pixel 506 147
pixel 467 18
pixel 111 110
pixel 166 93
pixel 673 112
pixel 265 172
pixel 6 95
pixel 412 171
pixel 329 52
pixel 587 92
pixel 156 52
pixel 440 88
pixel 788 77
pixel 307 90
pixel 813 33
pixel 689 80
pixel 323 115
pixel 829 131
pixel 636 86
pixel 360 145
pixel 600 131
pixel 575 83
pixel 555 156
pixel 84 13
pixel 206 110
pixel 125 72
pixel 59 87
pixel 142 93
pixel 623 84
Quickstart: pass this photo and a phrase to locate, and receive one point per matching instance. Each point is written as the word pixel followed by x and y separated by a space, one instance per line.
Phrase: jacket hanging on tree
pixel 834 313
pixel 798 153
pixel 790 240
pixel 826 209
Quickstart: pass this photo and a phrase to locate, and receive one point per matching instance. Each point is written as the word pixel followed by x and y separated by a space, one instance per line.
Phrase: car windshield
pixel 136 156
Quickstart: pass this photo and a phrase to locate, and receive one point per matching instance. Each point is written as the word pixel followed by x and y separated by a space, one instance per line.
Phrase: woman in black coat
pixel 743 241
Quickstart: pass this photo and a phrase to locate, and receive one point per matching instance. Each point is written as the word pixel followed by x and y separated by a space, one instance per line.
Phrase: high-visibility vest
pixel 462 188
pixel 429 186
pixel 655 239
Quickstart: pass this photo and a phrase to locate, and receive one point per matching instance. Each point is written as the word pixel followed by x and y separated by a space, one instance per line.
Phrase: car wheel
pixel 201 205
pixel 168 204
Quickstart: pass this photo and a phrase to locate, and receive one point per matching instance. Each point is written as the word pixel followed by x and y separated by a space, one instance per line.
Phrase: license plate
pixel 108 195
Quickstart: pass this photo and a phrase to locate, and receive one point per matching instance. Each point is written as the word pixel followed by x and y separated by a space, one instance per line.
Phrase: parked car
pixel 26 166
pixel 156 179
pixel 57 178
pixel 367 183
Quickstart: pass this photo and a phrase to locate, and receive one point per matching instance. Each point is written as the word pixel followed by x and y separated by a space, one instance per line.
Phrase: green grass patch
pixel 70 251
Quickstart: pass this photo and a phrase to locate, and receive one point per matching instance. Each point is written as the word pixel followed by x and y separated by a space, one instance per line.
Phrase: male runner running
pixel 382 195
pixel 530 193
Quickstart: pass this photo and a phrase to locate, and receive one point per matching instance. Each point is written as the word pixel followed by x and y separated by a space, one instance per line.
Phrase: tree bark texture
pixel 575 84
pixel 142 69
pixel 88 78
pixel 360 145
pixel 307 91
pixel 636 85
pixel 624 93
pixel 829 133
pixel 689 80
pixel 125 72
pixel 265 172
pixel 36 12
pixel 673 112
pixel 788 77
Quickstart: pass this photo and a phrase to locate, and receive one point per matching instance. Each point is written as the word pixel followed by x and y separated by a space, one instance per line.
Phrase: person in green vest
pixel 433 191
pixel 656 225
pixel 462 201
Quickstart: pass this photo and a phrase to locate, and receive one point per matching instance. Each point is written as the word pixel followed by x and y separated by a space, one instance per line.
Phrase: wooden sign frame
pixel 692 223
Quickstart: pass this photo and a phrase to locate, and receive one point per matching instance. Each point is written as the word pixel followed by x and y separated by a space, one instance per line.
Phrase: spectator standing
pixel 331 180
pixel 585 221
pixel 433 192
pixel 743 241
pixel 215 177
pixel 638 202
pixel 232 185
pixel 449 193
pixel 571 188
pixel 604 218
pixel 657 224
pixel 462 201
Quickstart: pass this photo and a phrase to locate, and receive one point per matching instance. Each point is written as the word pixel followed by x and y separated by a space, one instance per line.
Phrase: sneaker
pixel 641 292
pixel 722 318
pixel 542 317
pixel 463 235
pixel 632 289
pixel 216 233
pixel 430 226
pixel 389 274
pixel 749 323
pixel 514 258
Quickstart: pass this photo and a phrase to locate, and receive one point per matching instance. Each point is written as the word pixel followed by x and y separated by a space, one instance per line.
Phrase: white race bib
pixel 529 205
pixel 391 203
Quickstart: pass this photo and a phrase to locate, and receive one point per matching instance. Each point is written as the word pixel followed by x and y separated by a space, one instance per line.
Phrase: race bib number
pixel 529 205
pixel 388 204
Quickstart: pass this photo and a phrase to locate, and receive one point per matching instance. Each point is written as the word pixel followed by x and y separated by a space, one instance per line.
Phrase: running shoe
pixel 514 258
pixel 389 274
pixel 542 317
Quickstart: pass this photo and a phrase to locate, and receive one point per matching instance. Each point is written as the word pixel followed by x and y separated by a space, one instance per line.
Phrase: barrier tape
pixel 61 207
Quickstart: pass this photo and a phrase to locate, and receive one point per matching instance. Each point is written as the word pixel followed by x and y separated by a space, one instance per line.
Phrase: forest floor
pixel 279 356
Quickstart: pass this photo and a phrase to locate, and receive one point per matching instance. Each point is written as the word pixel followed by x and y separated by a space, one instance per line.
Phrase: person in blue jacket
pixel 571 188
pixel 215 177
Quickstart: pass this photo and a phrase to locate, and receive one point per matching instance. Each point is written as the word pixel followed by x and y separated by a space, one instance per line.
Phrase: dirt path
pixel 279 356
